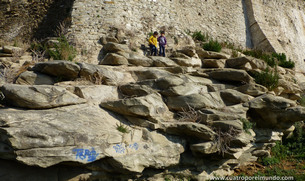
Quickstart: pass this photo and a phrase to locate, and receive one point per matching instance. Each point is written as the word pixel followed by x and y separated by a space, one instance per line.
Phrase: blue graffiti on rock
pixel 119 148
pixel 85 153
pixel 134 146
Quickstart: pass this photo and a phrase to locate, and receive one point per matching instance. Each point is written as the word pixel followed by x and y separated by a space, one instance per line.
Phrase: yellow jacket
pixel 153 40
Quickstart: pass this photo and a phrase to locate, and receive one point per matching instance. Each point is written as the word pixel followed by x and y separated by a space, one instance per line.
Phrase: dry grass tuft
pixel 189 115
pixel 224 138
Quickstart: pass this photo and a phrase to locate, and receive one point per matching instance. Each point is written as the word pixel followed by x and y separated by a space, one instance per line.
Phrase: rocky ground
pixel 140 118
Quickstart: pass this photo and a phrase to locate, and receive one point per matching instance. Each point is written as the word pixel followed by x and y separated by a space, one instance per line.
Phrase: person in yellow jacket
pixel 153 42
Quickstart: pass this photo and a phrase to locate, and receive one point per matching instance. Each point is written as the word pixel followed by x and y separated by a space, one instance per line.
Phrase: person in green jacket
pixel 153 42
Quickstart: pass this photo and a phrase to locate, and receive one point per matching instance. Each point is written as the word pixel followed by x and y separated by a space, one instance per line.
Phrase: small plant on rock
pixel 197 35
pixel 282 60
pixel 212 45
pixel 234 53
pixel 246 124
pixel 267 78
pixel 122 128
pixel 63 50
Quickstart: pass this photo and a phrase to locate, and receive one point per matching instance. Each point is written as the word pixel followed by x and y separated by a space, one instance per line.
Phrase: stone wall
pixel 276 25
pixel 279 26
pixel 224 20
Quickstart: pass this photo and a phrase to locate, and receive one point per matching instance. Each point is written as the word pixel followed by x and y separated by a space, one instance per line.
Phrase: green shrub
pixel 280 151
pixel 122 128
pixel 246 125
pixel 38 47
pixel 62 50
pixel 287 64
pixel 267 78
pixel 282 59
pixel 270 60
pixel 270 161
pixel 296 143
pixel 279 56
pixel 212 45
pixel 197 35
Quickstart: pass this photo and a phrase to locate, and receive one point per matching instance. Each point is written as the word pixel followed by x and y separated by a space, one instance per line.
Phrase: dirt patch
pixel 27 19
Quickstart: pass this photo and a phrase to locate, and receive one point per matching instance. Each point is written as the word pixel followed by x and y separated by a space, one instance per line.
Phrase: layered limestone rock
pixel 126 120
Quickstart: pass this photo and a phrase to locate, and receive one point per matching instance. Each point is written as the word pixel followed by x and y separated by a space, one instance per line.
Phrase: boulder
pixel 105 39
pixel 205 148
pixel 188 50
pixel 196 101
pixel 149 74
pixel 225 125
pixel 261 153
pixel 113 59
pixel 34 78
pixel 135 90
pixel 242 62
pixel 140 60
pixel 213 63
pixel 83 134
pixel 189 129
pixel 168 81
pixel 185 89
pixel 179 55
pixel 112 39
pixel 59 68
pixel 252 89
pixel 241 140
pixel 210 55
pixel 231 75
pixel 264 135
pixel 216 87
pixel 233 97
pixel 289 87
pixel 38 96
pixel 151 105
pixel 226 113
pixel 111 47
pixel 97 93
pixel 269 111
pixel 188 62
pixel 107 74
pixel 15 51
pixel 156 151
pixel 198 79
pixel 163 62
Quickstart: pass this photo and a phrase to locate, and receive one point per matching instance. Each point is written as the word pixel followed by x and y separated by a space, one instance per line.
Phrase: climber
pixel 153 44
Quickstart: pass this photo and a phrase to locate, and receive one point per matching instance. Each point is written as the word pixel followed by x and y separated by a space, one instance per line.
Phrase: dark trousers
pixel 162 50
pixel 153 50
